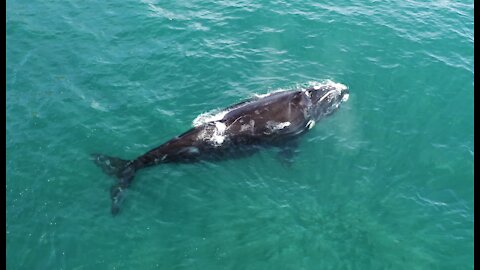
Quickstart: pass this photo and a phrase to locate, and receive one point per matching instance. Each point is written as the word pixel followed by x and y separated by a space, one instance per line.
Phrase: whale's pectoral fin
pixel 287 154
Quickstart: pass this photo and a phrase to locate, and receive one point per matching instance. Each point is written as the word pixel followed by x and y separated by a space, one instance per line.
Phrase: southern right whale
pixel 273 119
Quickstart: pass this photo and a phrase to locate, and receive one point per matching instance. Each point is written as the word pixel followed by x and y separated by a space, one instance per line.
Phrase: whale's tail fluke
pixel 123 170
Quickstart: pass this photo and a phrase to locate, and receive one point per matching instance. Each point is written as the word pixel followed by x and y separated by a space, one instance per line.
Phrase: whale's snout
pixel 327 97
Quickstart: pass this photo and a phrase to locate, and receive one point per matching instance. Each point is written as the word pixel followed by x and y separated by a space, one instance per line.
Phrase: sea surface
pixel 384 183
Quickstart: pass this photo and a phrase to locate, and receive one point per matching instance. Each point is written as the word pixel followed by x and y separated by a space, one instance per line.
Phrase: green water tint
pixel 384 183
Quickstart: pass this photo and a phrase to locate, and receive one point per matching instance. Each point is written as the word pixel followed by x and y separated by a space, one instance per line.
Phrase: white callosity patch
pixel 280 125
pixel 244 127
pixel 273 126
pixel 248 127
pixel 328 96
pixel 334 91
pixel 215 134
pixel 310 124
pixel 218 135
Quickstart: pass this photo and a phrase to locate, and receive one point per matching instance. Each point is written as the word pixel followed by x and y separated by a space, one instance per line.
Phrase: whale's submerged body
pixel 274 119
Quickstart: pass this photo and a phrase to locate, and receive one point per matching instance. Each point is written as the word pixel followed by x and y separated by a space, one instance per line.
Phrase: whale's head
pixel 326 98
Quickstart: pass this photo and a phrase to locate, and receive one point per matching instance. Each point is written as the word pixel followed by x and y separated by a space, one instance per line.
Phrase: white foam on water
pixel 317 85
pixel 97 106
pixel 207 117
pixel 269 93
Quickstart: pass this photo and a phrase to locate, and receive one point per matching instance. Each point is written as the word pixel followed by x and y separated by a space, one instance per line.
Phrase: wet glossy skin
pixel 240 130
pixel 248 125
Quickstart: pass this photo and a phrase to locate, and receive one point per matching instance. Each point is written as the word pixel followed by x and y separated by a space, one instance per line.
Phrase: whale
pixel 276 119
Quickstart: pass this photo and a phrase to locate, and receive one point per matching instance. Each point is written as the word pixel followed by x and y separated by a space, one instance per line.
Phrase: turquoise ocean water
pixel 384 183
